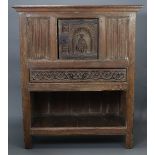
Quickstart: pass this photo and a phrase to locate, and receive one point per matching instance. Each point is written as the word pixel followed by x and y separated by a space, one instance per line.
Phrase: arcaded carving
pixel 78 38
pixel 81 45
pixel 66 75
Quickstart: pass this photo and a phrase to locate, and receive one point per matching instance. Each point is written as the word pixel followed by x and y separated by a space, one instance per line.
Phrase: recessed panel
pixel 78 38
pixel 38 37
pixel 117 30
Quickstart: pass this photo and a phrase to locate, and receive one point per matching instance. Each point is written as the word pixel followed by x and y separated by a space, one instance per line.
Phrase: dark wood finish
pixel 78 38
pixel 68 109
pixel 77 70
pixel 79 8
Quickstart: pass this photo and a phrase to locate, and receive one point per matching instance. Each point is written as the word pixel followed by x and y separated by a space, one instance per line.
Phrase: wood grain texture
pixel 38 37
pixel 131 77
pixel 117 37
pixel 78 8
pixel 53 37
pixel 77 103
pixel 78 86
pixel 26 106
pixel 61 64
pixel 79 131
pixel 102 38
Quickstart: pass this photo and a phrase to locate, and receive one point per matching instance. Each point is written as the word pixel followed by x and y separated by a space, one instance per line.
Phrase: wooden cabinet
pixel 77 70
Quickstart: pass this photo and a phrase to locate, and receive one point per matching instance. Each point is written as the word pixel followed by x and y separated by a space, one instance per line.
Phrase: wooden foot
pixel 28 142
pixel 129 141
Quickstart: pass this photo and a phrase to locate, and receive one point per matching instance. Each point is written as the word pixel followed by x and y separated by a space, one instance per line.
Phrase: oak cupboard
pixel 77 70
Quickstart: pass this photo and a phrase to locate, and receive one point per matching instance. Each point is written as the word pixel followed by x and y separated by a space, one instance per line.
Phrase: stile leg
pixel 28 141
pixel 129 140
pixel 27 119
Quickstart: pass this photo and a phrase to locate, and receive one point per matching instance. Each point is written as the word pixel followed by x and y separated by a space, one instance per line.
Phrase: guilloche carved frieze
pixel 67 75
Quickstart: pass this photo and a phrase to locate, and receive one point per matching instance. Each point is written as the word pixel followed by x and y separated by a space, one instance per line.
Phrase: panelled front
pixel 77 39
pixel 77 70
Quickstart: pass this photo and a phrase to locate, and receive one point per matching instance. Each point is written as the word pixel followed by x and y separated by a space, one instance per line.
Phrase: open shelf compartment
pixel 77 109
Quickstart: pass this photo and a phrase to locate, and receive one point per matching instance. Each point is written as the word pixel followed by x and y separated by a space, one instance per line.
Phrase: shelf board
pixel 68 131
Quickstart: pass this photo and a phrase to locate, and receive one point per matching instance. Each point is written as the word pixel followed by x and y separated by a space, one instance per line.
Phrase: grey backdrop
pixel 75 146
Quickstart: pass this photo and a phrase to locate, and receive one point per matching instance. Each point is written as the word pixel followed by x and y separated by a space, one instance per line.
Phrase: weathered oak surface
pixel 77 70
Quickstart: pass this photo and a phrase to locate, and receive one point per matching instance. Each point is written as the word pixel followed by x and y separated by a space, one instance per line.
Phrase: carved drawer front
pixel 78 75
pixel 78 38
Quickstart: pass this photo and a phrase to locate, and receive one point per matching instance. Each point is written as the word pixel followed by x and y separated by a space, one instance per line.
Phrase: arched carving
pixel 81 40
pixel 81 45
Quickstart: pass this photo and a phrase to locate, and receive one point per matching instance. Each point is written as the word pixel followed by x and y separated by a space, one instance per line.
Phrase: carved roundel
pixel 78 38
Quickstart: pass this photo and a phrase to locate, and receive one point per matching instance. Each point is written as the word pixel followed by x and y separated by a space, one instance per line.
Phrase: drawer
pixel 78 75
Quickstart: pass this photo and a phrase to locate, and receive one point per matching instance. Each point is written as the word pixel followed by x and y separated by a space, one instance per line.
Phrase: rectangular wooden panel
pixel 78 64
pixel 117 31
pixel 38 37
pixel 78 38
pixel 74 75
pixel 76 86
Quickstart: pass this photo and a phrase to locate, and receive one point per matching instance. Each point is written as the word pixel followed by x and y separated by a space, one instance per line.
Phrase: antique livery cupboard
pixel 77 70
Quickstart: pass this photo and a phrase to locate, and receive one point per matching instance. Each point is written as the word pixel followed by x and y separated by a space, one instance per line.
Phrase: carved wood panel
pixel 38 37
pixel 117 31
pixel 69 75
pixel 78 38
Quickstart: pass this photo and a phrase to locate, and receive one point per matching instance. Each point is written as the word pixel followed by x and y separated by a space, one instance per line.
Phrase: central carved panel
pixel 78 38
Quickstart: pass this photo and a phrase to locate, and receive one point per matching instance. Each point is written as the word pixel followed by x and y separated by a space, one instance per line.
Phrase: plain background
pixel 75 146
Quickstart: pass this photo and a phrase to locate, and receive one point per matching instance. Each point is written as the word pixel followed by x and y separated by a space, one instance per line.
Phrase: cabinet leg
pixel 28 141
pixel 129 141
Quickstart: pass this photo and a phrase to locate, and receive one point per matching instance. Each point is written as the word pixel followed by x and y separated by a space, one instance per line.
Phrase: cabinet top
pixel 79 8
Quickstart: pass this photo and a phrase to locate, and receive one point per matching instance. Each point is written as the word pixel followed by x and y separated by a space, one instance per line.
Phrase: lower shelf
pixel 77 131
pixel 96 120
